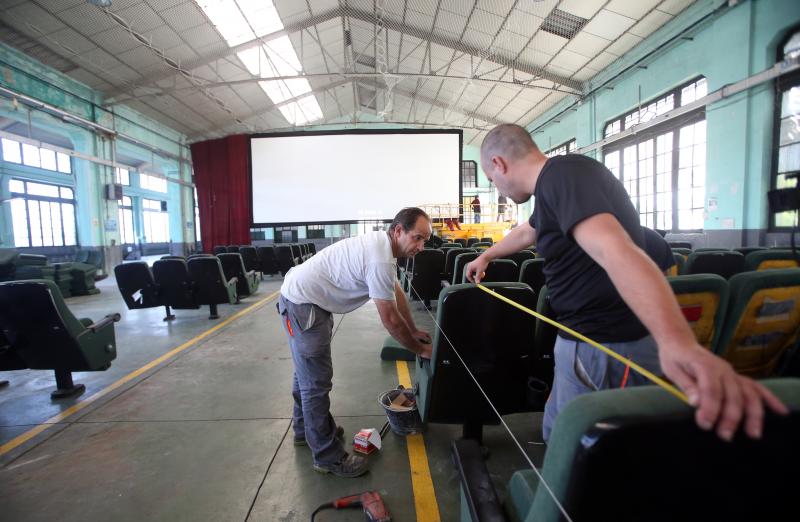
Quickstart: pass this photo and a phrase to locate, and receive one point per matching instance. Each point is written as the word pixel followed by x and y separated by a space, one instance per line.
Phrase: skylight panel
pixel 302 111
pixel 240 21
pixel 262 15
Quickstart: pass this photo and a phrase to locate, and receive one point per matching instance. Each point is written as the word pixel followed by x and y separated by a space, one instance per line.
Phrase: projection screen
pixel 349 176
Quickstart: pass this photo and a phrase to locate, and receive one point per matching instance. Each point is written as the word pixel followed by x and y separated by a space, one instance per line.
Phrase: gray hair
pixel 509 141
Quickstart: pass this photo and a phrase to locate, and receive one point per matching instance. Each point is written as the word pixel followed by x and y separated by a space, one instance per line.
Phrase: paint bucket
pixel 406 422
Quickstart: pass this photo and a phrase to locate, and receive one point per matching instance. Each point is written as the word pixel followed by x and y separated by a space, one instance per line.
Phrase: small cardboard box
pixel 367 440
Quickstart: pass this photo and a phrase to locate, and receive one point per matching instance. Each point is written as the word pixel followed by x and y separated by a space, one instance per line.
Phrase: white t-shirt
pixel 345 275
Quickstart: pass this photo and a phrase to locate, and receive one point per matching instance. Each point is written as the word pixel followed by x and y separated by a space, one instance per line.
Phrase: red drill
pixel 371 501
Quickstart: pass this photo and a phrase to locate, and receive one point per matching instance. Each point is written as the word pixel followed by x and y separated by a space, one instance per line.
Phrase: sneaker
pixel 350 466
pixel 301 440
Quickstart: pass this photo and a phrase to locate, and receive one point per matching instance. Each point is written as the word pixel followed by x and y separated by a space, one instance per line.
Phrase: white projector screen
pixel 349 176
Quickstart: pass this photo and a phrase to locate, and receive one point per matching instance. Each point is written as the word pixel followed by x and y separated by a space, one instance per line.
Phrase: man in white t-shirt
pixel 339 279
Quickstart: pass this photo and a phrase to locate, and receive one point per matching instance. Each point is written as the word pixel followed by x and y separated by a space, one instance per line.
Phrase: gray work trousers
pixel 582 368
pixel 309 329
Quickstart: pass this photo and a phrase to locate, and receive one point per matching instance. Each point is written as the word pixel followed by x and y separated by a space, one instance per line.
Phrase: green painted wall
pixel 736 43
pixel 31 78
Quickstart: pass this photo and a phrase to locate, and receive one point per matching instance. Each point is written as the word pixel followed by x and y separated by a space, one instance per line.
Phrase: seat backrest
pixel 746 250
pixel 233 249
pixel 703 299
pixel 614 441
pixel 268 263
pixel 679 268
pixel 209 279
pixel 723 263
pixel 459 264
pixel 769 259
pixel 495 341
pixel 220 250
pixel 233 266
pixel 297 253
pixel 176 287
pixel 450 261
pixel 521 256
pixel 461 241
pixel 711 249
pixel 285 258
pixel 312 248
pixel 680 244
pixel 487 240
pixel 471 241
pixel 531 272
pixel 501 271
pixel 427 274
pixel 170 256
pixel 481 245
pixel 682 251
pixel 544 339
pixel 41 329
pixel 249 257
pixel 137 285
pixel 762 320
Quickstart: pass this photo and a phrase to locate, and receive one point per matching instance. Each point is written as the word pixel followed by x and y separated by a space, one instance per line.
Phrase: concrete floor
pixel 206 434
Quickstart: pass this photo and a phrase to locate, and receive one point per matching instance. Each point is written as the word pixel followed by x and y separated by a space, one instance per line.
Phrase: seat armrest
pixel 476 484
pixel 233 280
pixel 105 321
pixel 445 283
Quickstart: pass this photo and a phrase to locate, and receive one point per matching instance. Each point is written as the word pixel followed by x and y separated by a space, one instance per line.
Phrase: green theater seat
pixel 637 454
pixel 44 334
pixel 762 320
pixel 703 299
pixel 769 259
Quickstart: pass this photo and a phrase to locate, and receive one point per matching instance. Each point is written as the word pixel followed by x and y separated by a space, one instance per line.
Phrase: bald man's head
pixel 509 141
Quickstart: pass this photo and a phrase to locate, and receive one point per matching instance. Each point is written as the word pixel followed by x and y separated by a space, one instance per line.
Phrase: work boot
pixel 301 440
pixel 350 466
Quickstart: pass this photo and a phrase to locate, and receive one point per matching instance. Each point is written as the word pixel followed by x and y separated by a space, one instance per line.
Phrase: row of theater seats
pixel 462 242
pixel 72 278
pixel 423 276
pixel 271 259
pixel 510 354
pixel 752 320
pixel 39 332
pixel 174 282
pixel 727 263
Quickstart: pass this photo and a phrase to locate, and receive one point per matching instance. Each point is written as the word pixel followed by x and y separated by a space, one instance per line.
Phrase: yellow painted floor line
pixel 421 481
pixel 21 439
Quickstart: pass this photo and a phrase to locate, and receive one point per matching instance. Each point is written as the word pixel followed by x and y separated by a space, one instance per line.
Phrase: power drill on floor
pixel 371 501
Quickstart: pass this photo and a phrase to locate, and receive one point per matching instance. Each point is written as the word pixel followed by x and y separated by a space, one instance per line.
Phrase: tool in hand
pixel 371 501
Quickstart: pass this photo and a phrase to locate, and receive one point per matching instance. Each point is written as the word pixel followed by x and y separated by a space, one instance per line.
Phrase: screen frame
pixel 253 224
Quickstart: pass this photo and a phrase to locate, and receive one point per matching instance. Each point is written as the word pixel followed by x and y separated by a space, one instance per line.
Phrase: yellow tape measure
pixel 611 353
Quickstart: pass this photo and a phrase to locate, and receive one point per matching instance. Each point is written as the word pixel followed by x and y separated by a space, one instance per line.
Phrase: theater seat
pixel 703 299
pixel 211 285
pixel 531 272
pixel 458 267
pixel 520 257
pixel 722 263
pixel 176 287
pixel 46 335
pixel 285 258
pixel 637 454
pixel 500 271
pixel 427 275
pixel 496 342
pixel 137 285
pixel 220 250
pixel 267 262
pixel 450 262
pixel 246 280
pixel 249 258
pixel 762 320
pixel 769 259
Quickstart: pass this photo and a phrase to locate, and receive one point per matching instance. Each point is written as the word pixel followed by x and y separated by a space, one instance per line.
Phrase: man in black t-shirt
pixel 603 285
pixel 658 249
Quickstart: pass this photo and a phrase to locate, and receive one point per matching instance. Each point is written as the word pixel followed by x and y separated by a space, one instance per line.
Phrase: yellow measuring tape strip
pixel 650 375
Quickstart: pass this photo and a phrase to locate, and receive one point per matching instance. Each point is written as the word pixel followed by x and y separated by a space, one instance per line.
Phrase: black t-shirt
pixel 658 249
pixel 570 189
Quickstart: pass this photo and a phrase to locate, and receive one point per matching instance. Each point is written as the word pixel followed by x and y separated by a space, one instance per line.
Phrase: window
pixel 663 168
pixel 33 156
pixel 155 220
pixel 125 212
pixel 469 174
pixel 152 183
pixel 787 130
pixel 122 176
pixel 315 231
pixel 41 214
pixel 565 148
pixel 285 235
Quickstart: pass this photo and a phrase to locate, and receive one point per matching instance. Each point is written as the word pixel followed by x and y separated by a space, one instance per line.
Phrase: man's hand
pixel 722 397
pixel 475 270
pixel 427 351
pixel 422 336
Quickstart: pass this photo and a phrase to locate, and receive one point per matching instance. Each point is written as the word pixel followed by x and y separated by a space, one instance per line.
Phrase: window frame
pixel 60 200
pixel 674 125
pixel 569 146
pixel 782 84
pixel 466 167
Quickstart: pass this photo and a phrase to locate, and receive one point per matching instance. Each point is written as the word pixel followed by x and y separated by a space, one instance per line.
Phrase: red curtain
pixel 222 177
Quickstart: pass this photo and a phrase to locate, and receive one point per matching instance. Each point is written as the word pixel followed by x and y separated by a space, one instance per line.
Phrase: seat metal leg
pixel 169 315
pixel 212 312
pixel 65 387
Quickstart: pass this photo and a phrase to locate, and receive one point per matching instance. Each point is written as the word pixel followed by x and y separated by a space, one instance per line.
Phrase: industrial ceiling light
pixel 101 3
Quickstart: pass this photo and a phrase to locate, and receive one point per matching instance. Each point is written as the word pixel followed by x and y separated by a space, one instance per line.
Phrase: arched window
pixel 787 129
